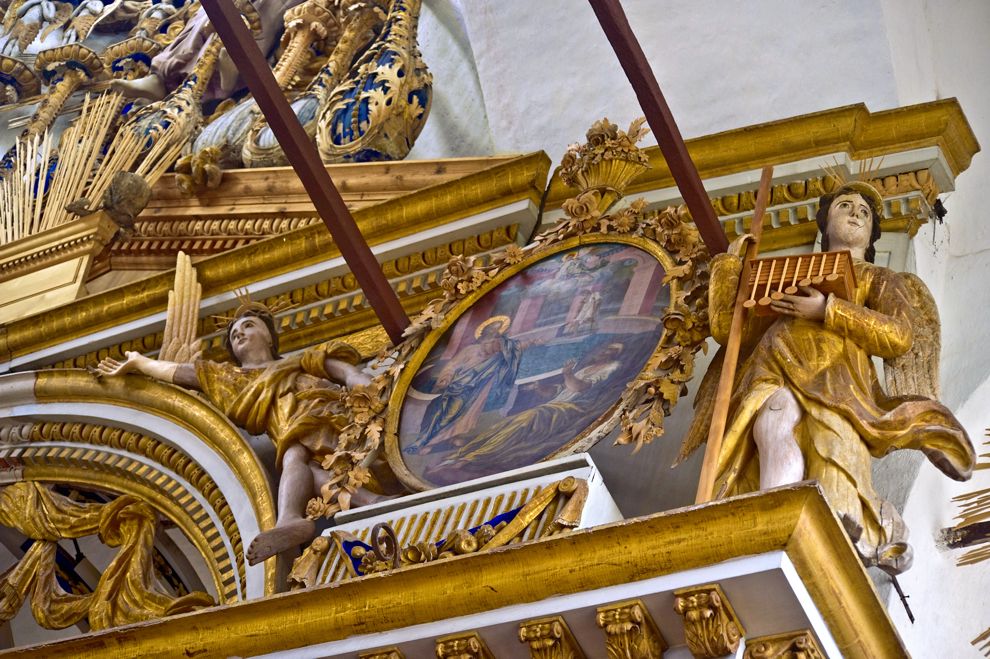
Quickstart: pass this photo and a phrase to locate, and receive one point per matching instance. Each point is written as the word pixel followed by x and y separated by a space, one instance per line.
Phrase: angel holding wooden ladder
pixel 806 402
pixel 298 401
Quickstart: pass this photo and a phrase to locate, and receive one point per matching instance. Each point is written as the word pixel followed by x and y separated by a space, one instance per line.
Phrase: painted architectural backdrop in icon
pixel 533 364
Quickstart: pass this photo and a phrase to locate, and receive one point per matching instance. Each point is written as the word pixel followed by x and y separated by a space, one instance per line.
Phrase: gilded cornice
pixel 334 307
pixel 852 129
pixel 41 250
pixel 796 520
pixel 521 178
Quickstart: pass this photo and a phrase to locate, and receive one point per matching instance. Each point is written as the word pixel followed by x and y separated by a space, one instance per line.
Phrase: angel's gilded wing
pixel 916 371
pixel 179 343
pixel 704 407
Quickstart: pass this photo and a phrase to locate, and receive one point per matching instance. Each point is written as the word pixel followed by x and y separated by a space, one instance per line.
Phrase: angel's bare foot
pixel 151 87
pixel 284 536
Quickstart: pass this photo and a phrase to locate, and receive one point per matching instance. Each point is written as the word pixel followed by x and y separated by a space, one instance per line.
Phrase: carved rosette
pixel 549 638
pixel 463 646
pixel 800 644
pixel 630 632
pixel 711 627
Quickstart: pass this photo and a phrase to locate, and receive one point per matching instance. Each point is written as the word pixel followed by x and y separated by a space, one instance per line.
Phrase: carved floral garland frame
pixel 644 403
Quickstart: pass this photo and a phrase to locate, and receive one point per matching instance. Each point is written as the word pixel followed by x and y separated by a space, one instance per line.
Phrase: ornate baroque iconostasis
pixel 157 442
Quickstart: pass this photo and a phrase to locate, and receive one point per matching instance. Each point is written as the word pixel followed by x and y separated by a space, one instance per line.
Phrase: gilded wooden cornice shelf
pixel 518 179
pixel 852 129
pixel 795 520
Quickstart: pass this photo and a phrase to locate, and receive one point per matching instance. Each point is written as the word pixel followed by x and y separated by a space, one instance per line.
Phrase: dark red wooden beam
pixel 304 158
pixel 658 115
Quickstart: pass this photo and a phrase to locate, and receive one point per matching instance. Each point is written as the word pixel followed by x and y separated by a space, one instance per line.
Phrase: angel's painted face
pixel 248 336
pixel 850 222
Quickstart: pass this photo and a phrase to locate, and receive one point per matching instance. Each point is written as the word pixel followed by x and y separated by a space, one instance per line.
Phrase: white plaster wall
pixel 458 125
pixel 951 604
pixel 547 70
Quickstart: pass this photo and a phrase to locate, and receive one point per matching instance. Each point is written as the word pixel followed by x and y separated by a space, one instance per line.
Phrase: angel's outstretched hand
pixel 110 366
pixel 810 305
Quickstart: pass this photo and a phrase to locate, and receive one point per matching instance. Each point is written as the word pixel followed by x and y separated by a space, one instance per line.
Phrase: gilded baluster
pixel 65 69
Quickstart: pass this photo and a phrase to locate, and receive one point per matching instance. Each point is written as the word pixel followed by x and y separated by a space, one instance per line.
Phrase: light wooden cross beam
pixel 304 158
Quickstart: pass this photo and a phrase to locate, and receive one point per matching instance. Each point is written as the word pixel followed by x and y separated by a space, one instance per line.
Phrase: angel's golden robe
pixel 846 418
pixel 291 399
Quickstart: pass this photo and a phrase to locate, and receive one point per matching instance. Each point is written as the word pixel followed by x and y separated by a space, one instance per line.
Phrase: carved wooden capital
pixel 463 646
pixel 386 653
pixel 549 638
pixel 630 632
pixel 711 627
pixel 800 644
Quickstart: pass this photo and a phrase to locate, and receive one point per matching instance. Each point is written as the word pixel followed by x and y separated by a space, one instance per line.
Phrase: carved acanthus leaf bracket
pixel 549 638
pixel 711 627
pixel 800 644
pixel 630 632
pixel 463 646
pixel 387 653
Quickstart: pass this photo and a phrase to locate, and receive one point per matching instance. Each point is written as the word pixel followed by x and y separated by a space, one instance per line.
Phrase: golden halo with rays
pixel 247 304
pixel 504 322
pixel 868 170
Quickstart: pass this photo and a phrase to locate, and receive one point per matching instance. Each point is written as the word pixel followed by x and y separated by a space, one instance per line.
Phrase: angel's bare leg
pixel 150 87
pixel 295 487
pixel 781 461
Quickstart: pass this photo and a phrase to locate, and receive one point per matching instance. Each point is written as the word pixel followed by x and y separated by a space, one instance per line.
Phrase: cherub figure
pixel 807 403
pixel 298 401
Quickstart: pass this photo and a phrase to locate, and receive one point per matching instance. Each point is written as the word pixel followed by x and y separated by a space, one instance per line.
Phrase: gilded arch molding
pixel 166 445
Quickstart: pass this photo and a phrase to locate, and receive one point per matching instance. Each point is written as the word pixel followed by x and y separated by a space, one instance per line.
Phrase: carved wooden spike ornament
pixel 800 644
pixel 549 638
pixel 630 632
pixel 711 627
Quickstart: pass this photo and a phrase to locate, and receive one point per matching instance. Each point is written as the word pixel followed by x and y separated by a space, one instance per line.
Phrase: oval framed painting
pixel 532 365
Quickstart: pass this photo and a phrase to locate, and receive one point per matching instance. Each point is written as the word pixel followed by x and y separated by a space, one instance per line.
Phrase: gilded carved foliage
pixel 799 644
pixel 711 627
pixel 630 632
pixel 463 646
pixel 549 638
pixel 389 653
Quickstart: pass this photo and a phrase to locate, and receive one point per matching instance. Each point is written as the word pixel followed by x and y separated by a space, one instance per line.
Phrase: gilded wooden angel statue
pixel 806 401
pixel 298 401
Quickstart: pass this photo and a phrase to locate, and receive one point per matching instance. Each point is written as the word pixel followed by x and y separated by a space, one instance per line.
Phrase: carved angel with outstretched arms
pixel 298 401
pixel 806 401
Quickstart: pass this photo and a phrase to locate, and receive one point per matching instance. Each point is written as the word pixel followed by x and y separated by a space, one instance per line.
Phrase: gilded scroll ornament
pixel 800 644
pixel 463 646
pixel 630 632
pixel 377 113
pixel 711 627
pixel 549 638
pixel 126 591
pixel 383 553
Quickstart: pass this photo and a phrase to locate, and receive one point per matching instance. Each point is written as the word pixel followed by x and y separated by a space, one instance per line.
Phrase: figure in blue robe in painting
pixel 479 377
pixel 521 439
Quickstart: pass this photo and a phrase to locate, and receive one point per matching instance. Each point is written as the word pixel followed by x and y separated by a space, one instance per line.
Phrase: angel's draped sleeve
pixel 881 327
